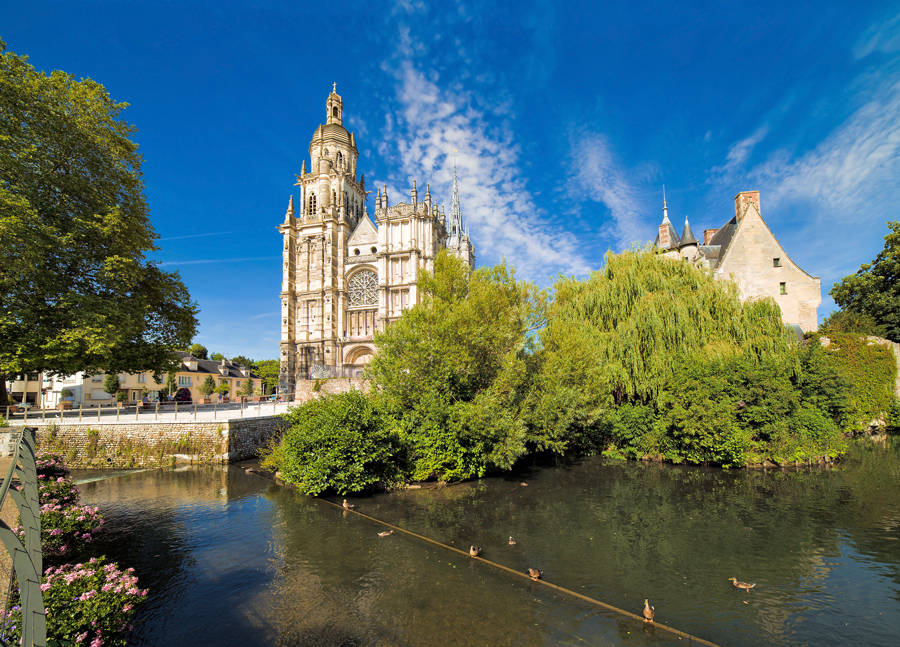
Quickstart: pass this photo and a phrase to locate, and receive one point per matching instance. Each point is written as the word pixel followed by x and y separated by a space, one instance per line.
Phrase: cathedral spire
pixel 455 224
pixel 665 208
pixel 290 211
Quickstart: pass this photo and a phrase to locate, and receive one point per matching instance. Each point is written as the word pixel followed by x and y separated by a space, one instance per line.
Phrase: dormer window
pixel 776 262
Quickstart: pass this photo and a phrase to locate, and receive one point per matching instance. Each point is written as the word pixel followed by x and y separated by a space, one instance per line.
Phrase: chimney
pixel 708 234
pixel 664 241
pixel 742 200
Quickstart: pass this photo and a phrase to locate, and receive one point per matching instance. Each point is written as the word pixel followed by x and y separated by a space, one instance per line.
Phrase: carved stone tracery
pixel 363 288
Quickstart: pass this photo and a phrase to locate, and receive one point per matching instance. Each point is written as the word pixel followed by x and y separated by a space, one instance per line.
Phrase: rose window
pixel 363 289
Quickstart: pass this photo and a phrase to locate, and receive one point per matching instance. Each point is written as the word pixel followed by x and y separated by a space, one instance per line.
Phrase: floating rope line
pixel 609 607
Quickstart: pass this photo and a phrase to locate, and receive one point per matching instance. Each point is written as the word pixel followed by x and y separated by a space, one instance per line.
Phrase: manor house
pixel 345 276
pixel 745 250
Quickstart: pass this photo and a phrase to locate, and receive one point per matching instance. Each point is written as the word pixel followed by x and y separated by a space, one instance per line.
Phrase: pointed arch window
pixel 312 203
pixel 340 157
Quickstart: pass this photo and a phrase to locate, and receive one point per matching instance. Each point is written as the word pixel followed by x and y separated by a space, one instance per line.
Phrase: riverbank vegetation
pixel 645 359
pixel 90 603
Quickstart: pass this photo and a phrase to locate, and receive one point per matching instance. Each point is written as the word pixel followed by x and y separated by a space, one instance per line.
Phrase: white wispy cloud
pixel 218 260
pixel 434 117
pixel 215 233
pixel 740 151
pixel 597 174
pixel 882 36
pixel 844 189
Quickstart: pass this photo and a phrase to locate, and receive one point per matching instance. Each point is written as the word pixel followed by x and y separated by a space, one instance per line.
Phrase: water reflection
pixel 237 560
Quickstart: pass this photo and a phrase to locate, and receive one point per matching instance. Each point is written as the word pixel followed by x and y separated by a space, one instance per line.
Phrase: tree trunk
pixel 4 396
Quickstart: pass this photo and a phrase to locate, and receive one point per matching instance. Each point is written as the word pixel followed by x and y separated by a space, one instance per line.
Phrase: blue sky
pixel 568 118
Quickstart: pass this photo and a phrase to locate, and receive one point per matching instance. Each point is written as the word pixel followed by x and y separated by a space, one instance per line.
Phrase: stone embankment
pixel 130 445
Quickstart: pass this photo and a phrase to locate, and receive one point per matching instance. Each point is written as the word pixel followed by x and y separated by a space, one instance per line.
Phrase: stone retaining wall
pixel 306 389
pixel 155 444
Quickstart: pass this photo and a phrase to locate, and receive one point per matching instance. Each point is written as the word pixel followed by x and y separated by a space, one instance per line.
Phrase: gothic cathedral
pixel 345 277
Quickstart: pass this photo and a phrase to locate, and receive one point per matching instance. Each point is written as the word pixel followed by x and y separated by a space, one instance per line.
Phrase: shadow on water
pixel 234 559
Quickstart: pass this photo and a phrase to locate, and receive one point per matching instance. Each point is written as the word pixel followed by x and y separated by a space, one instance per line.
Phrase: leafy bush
pixel 870 369
pixel 66 529
pixel 893 418
pixel 60 490
pixel 122 396
pixel 337 442
pixel 50 464
pixel 627 426
pixel 92 603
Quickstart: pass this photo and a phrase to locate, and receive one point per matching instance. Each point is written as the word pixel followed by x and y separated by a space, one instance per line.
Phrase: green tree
pixel 452 370
pixel 111 384
pixel 269 370
pixel 847 321
pixel 875 288
pixel 223 389
pixel 217 357
pixel 198 350
pixel 208 386
pixel 240 360
pixel 246 388
pixel 619 336
pixel 171 385
pixel 76 291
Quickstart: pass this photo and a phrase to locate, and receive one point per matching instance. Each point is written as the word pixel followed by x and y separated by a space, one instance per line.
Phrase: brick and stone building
pixel 744 249
pixel 344 276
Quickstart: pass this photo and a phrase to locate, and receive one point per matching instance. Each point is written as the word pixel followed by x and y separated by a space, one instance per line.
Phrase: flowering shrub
pixel 60 490
pixel 87 604
pixel 50 464
pixel 65 528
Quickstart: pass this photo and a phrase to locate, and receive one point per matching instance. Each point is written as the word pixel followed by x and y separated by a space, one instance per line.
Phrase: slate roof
pixel 212 367
pixel 722 239
pixel 687 236
pixel 673 237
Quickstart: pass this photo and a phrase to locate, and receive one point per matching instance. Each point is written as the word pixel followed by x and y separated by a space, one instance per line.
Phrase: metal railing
pixel 27 559
pixel 153 411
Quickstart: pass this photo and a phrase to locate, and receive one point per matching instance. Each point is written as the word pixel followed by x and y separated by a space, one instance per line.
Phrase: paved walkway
pixel 9 513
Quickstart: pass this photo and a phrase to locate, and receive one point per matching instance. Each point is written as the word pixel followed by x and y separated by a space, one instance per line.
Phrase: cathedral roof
pixel 332 133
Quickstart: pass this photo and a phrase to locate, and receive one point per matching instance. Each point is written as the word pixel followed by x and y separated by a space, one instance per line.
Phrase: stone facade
pixel 745 250
pixel 158 444
pixel 344 276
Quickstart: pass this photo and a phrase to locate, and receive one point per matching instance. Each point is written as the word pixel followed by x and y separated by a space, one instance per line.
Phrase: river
pixel 233 559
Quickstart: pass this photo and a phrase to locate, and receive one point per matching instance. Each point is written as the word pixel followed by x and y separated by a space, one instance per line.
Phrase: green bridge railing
pixel 20 483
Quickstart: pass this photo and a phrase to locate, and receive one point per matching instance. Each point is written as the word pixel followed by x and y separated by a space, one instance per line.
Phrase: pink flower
pixel 88 595
pixel 127 607
pixel 45 586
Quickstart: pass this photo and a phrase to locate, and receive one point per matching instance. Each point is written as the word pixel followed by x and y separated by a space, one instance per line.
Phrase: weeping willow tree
pixel 619 336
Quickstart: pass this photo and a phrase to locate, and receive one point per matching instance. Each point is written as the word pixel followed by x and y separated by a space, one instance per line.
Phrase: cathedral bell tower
pixel 315 232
